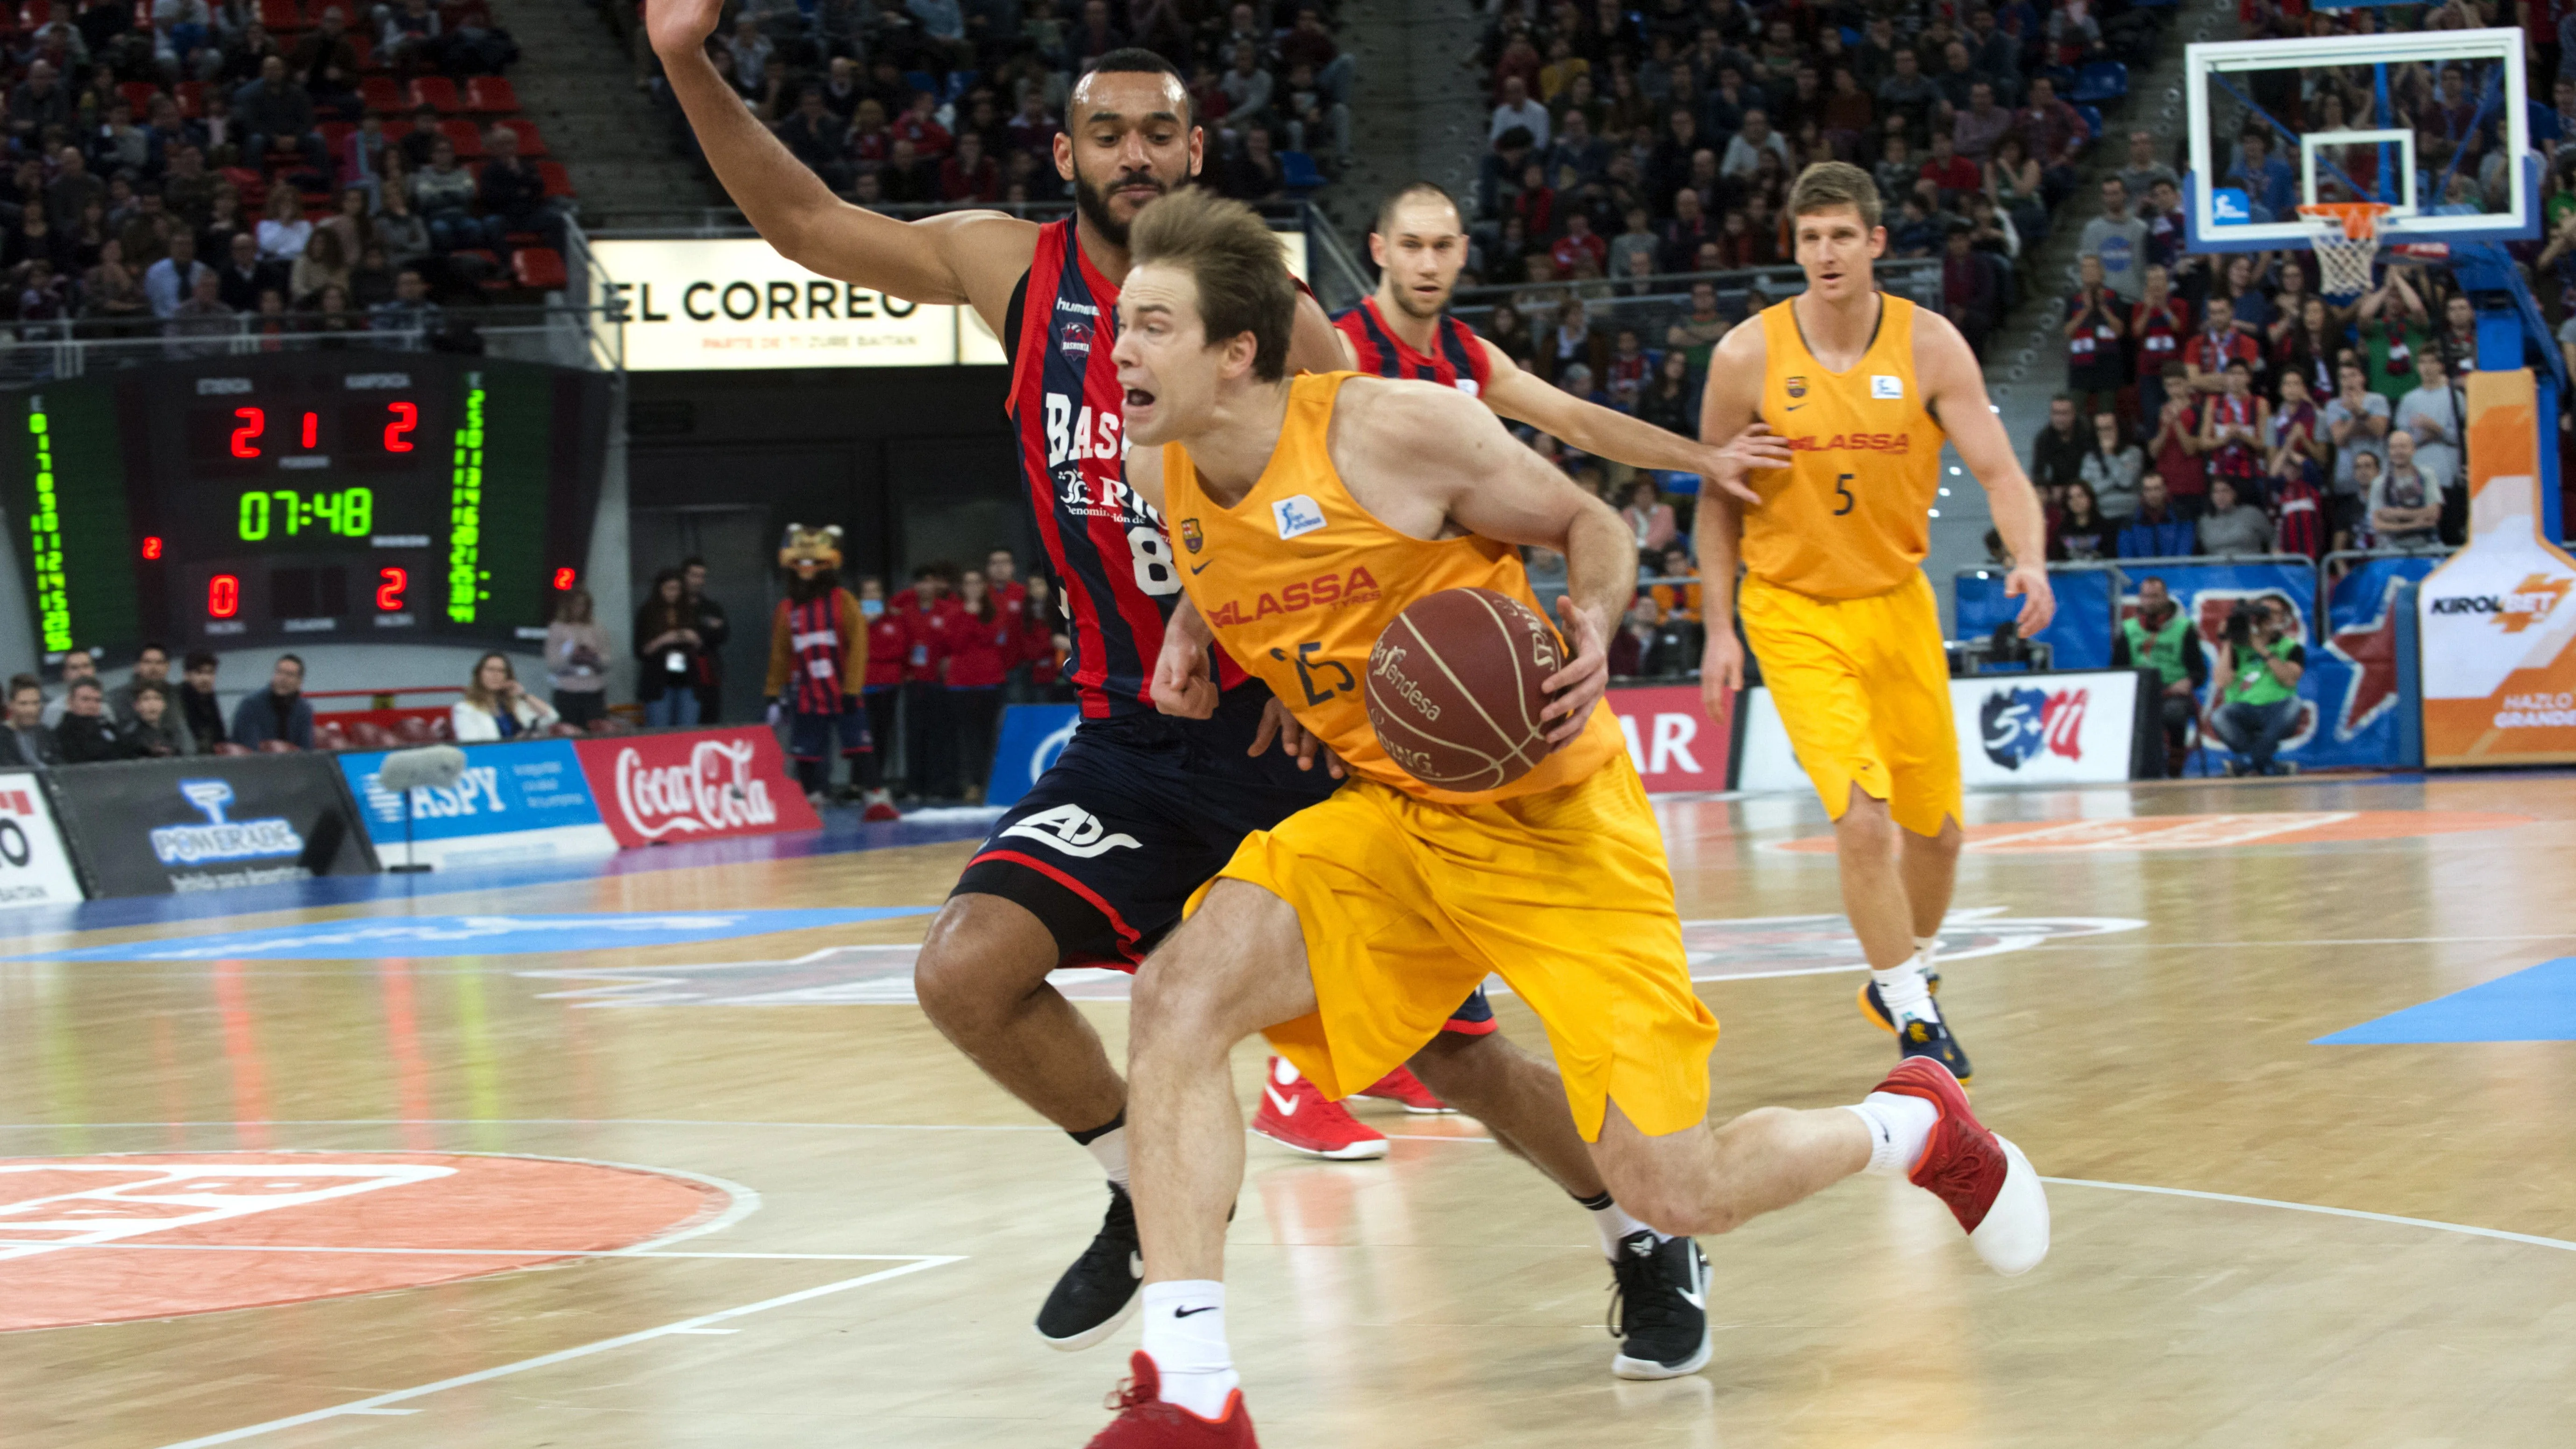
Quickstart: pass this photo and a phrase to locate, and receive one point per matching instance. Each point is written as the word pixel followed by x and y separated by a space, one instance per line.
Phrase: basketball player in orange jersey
pixel 1833 405
pixel 1346 931
pixel 1092 866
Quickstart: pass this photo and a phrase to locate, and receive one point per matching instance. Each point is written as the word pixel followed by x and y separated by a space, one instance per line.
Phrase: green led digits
pixel 465 509
pixel 351 513
pixel 53 596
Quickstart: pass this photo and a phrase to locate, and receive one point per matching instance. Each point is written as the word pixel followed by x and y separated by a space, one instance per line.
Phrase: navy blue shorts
pixel 809 736
pixel 1134 816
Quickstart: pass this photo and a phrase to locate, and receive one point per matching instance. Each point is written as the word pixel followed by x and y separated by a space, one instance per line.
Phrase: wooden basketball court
pixel 608 1159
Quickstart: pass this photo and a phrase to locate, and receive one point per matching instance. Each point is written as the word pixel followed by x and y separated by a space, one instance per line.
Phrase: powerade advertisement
pixel 154 827
pixel 515 802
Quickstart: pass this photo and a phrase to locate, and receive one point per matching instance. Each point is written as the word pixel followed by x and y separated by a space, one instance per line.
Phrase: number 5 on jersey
pixel 1842 490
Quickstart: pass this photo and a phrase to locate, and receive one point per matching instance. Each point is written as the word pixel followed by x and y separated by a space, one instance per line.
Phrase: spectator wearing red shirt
pixel 888 641
pixel 930 741
pixel 919 124
pixel 2157 327
pixel 1580 241
pixel 1955 174
pixel 983 643
pixel 2217 344
pixel 1042 643
pixel 2175 447
pixel 970 175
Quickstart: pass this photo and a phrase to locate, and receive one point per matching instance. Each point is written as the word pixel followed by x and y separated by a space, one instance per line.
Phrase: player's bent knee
pixel 982 957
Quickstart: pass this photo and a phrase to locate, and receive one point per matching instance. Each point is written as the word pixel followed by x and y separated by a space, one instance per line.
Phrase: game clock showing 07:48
pixel 358 497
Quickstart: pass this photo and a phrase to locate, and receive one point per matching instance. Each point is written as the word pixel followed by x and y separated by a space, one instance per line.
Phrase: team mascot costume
pixel 818 657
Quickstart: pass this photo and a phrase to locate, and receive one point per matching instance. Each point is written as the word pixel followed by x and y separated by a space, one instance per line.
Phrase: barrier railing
pixel 1669 292
pixel 558 333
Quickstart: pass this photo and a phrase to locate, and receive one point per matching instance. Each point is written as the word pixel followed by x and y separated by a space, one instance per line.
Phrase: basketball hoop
pixel 2345 235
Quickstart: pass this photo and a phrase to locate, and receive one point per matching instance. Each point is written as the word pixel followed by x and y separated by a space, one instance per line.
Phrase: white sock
pixel 1108 1147
pixel 1904 991
pixel 1185 1337
pixel 1927 951
pixel 1612 1222
pixel 1900 1127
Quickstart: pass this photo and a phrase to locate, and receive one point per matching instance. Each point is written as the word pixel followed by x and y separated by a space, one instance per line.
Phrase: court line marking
pixel 381 1402
pixel 2464 1229
pixel 549 1253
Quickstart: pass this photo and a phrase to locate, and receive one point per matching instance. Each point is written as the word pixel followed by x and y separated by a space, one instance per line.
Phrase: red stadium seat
pixel 231 747
pixel 416 730
pixel 334 135
pixel 381 94
pixel 281 16
pixel 395 130
pixel 558 180
pixel 532 142
pixel 365 48
pixel 540 269
pixel 436 92
pixel 139 94
pixel 192 99
pixel 329 736
pixel 490 95
pixel 35 13
pixel 250 184
pixel 369 735
pixel 467 136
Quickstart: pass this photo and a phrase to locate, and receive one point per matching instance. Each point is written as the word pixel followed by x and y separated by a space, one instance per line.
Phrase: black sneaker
pixel 1874 1006
pixel 1098 1292
pixel 1659 1307
pixel 1932 1039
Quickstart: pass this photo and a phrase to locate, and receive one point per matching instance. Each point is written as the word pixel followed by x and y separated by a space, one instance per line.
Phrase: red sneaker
pixel 1991 1188
pixel 880 807
pixel 1298 1117
pixel 1401 1085
pixel 1145 1422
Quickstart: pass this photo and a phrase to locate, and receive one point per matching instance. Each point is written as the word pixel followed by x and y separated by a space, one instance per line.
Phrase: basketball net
pixel 2345 235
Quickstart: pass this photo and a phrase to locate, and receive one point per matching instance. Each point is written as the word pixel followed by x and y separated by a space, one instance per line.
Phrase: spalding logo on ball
pixel 1453 689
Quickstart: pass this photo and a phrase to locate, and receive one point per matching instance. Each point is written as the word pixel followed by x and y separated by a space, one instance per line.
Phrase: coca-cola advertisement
pixel 693 785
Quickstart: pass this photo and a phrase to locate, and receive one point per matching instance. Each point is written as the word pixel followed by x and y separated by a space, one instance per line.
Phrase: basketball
pixel 1453 688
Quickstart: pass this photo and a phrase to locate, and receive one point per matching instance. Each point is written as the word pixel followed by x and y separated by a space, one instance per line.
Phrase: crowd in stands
pixel 189 168
pixel 958 102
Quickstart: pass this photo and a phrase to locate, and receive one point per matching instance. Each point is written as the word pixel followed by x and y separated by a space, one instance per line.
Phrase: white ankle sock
pixel 1899 1128
pixel 1612 1222
pixel 1185 1337
pixel 1927 951
pixel 1905 993
pixel 1108 1147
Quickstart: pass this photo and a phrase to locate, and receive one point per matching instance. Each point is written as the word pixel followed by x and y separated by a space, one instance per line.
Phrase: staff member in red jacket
pixel 887 639
pixel 983 644
pixel 930 743
pixel 1043 644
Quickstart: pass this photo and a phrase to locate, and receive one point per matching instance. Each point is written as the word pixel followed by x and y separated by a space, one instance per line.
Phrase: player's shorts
pixel 1136 814
pixel 810 736
pixel 1405 904
pixel 1863 689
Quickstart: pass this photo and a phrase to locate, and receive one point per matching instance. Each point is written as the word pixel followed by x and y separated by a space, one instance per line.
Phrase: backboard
pixel 2434 123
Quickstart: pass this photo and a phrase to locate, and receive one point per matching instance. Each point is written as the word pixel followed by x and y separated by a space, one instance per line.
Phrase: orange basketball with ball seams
pixel 1453 688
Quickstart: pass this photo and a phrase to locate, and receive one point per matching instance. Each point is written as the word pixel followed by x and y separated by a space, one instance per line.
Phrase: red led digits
pixel 246 437
pixel 223 596
pixel 564 580
pixel 312 428
pixel 152 547
pixel 389 593
pixel 406 416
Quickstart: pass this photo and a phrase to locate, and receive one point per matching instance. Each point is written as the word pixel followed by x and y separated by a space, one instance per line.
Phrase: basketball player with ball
pixel 1359 553
pixel 1833 406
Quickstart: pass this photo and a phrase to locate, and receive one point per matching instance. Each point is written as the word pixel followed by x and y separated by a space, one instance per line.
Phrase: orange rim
pixel 2359 219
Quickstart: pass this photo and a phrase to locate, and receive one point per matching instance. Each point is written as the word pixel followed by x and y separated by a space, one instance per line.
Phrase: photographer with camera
pixel 2158 637
pixel 2259 664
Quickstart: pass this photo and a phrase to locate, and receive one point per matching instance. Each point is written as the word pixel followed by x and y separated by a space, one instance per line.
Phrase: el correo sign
pixel 699 303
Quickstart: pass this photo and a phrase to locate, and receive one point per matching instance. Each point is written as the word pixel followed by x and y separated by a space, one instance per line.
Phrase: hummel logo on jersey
pixel 1886 385
pixel 1287 1105
pixel 1297 514
pixel 1073 830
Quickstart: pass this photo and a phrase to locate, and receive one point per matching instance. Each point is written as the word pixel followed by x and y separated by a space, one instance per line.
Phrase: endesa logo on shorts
pixel 1323 591
pixel 696 785
pixel 1853 442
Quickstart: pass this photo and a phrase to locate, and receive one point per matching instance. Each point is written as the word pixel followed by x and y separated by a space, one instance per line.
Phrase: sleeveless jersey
pixel 1106 543
pixel 1848 518
pixel 1457 359
pixel 1298 580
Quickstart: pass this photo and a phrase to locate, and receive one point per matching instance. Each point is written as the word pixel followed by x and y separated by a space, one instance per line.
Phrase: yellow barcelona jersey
pixel 1298 580
pixel 1847 519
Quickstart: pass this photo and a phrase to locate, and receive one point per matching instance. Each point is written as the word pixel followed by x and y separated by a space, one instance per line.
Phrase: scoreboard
pixel 351 497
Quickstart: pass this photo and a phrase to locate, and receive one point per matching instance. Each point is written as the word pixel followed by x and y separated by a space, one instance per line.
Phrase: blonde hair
pixel 475 694
pixel 1242 276
pixel 1829 184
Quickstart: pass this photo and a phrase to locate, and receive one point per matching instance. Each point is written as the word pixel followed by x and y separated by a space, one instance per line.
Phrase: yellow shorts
pixel 1863 688
pixel 1407 905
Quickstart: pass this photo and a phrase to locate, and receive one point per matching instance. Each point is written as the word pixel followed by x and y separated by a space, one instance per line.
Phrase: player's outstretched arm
pixel 1954 387
pixel 1604 432
pixel 1730 422
pixel 1426 458
pixel 962 257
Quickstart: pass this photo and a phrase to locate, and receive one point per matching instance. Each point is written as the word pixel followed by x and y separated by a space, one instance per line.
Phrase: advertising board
pixel 209 822
pixel 656 789
pixel 521 801
pixel 35 867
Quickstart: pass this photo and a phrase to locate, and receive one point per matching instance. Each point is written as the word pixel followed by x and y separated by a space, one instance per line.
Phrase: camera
pixel 2243 620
